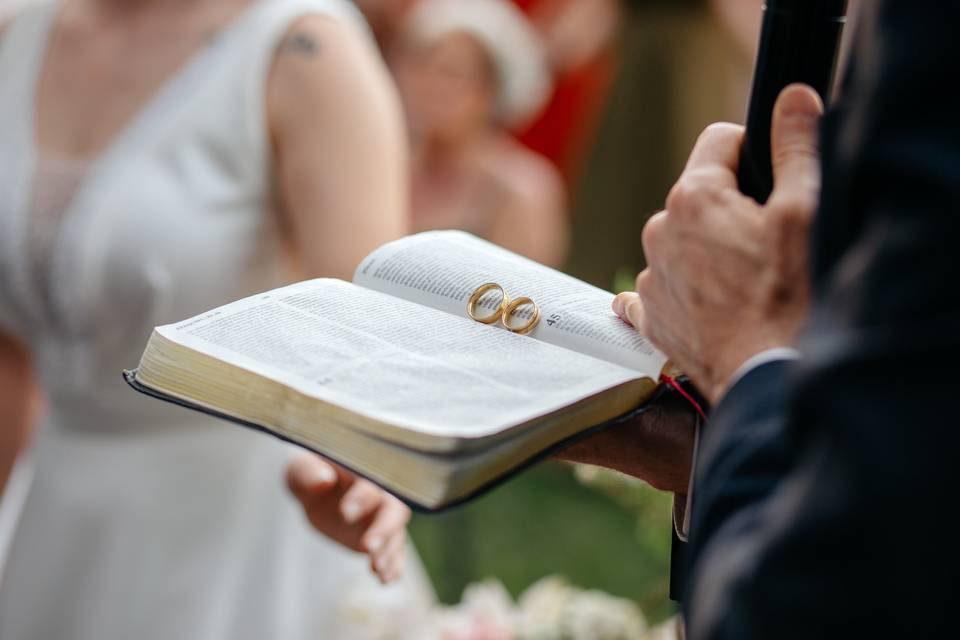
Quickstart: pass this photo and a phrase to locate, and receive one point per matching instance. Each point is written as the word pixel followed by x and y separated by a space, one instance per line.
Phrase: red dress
pixel 565 127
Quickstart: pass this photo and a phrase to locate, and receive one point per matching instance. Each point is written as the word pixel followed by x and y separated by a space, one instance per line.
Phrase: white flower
pixel 554 610
pixel 373 612
pixel 669 630
pixel 542 609
pixel 594 615
pixel 551 609
pixel 490 603
pixel 486 613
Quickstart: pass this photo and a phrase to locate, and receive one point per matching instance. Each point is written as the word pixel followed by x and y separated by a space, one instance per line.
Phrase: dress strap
pixel 22 47
pixel 23 42
pixel 272 19
pixel 256 47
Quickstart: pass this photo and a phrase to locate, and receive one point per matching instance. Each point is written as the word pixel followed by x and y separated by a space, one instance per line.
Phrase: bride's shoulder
pixel 6 19
pixel 327 72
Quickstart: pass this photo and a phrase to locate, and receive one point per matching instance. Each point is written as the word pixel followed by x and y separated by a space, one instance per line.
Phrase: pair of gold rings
pixel 505 311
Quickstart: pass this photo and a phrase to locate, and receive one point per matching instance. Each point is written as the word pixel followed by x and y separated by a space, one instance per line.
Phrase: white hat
pixel 514 46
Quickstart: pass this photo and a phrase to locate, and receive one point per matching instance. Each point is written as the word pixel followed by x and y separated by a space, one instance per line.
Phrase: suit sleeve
pixel 822 491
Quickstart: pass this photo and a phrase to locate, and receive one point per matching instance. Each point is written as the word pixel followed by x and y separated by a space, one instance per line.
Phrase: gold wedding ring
pixel 512 307
pixel 475 300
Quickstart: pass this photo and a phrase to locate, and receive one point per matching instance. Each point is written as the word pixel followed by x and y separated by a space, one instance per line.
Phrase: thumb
pixel 794 143
pixel 628 306
pixel 308 473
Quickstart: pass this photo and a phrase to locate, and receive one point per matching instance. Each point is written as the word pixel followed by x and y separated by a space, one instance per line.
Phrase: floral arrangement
pixel 551 609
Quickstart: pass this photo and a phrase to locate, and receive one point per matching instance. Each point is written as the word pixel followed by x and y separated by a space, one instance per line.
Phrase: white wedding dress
pixel 145 521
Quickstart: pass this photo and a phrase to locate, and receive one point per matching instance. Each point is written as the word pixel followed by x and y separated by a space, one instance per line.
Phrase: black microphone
pixel 800 42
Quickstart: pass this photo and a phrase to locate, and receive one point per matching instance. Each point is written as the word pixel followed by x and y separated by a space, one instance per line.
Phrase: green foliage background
pixel 610 533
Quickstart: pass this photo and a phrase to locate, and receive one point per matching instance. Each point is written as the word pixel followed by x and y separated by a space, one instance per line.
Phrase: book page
pixel 396 361
pixel 441 269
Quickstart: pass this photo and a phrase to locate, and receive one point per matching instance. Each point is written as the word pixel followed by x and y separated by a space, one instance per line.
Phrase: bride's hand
pixel 352 511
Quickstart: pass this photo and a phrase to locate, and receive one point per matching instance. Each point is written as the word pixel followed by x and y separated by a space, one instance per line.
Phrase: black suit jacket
pixel 826 488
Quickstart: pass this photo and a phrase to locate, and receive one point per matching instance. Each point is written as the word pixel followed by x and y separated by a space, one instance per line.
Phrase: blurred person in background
pixel 158 158
pixel 579 36
pixel 468 70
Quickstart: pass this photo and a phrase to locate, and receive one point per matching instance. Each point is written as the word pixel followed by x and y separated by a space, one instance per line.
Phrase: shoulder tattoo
pixel 299 43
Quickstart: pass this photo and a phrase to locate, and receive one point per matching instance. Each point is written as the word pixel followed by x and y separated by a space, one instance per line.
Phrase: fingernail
pixel 324 475
pixel 618 305
pixel 802 102
pixel 381 564
pixel 351 512
pixel 376 543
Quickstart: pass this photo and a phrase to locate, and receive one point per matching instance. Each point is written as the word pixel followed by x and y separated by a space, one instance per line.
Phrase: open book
pixel 390 377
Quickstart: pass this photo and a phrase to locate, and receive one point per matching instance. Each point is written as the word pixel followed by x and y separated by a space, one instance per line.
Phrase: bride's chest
pixel 153 241
pixel 91 85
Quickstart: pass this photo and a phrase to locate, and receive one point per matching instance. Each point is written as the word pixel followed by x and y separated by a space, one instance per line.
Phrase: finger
pixel 633 305
pixel 652 237
pixel 386 564
pixel 652 288
pixel 593 450
pixel 718 151
pixel 360 500
pixel 391 518
pixel 308 474
pixel 620 304
pixel 382 561
pixel 398 566
pixel 794 143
